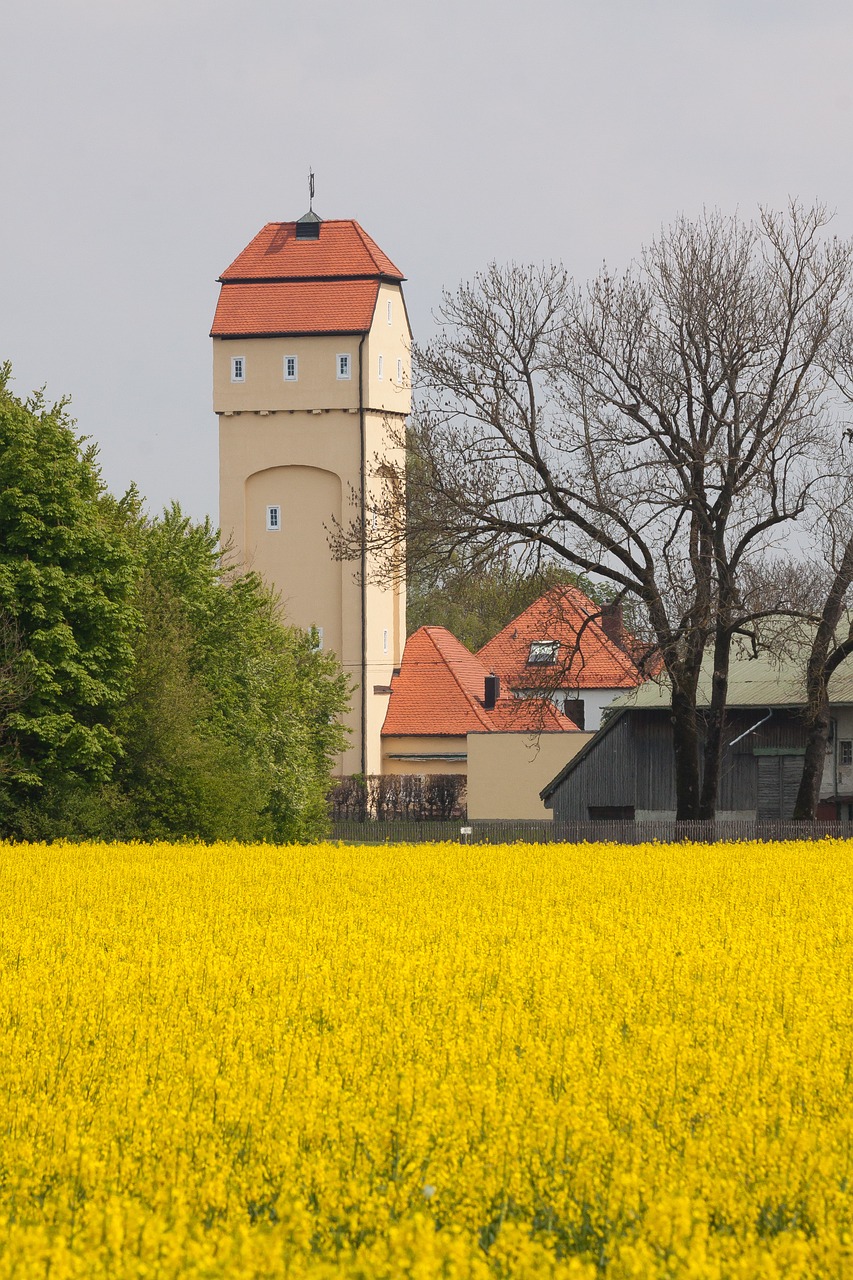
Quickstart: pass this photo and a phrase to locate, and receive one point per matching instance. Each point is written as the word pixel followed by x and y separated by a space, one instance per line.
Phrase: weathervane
pixel 310 190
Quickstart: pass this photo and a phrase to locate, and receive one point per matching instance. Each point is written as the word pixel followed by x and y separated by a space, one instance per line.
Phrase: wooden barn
pixel 626 771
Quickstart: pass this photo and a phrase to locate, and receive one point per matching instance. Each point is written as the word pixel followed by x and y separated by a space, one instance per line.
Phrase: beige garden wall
pixel 506 771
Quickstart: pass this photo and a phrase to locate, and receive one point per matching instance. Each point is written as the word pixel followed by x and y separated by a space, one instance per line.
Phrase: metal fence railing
pixel 477 831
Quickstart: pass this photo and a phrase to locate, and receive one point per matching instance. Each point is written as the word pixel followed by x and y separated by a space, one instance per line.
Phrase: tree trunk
pixel 685 743
pixel 815 758
pixel 822 663
pixel 715 726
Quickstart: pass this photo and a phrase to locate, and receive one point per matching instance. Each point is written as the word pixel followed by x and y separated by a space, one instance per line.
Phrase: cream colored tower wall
pixel 388 386
pixel 301 463
pixel 317 385
pixel 314 587
pixel 297 445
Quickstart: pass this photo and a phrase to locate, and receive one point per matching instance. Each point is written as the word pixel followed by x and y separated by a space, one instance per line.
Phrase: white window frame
pixel 385 640
pixel 390 311
pixel 238 368
pixel 343 364
pixel 845 756
pixel 399 373
pixel 381 367
pixel 290 377
pixel 274 518
pixel 317 639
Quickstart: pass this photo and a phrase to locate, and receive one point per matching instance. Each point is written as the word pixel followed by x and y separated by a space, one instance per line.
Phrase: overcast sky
pixel 146 141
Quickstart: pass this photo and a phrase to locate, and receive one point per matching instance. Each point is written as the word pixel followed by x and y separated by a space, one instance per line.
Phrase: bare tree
pixel 665 430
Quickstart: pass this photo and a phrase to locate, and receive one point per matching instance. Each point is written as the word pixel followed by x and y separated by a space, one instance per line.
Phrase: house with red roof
pixel 311 359
pixel 569 650
pixel 446 708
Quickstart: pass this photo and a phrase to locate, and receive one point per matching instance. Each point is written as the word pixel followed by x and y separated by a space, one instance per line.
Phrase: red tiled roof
pixel 295 306
pixel 342 250
pixel 439 692
pixel 595 663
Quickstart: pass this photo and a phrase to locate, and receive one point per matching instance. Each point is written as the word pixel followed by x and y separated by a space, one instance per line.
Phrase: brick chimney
pixel 613 626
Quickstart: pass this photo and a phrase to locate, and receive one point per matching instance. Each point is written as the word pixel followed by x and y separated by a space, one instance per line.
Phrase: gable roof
pixel 343 250
pixel 560 615
pixel 439 689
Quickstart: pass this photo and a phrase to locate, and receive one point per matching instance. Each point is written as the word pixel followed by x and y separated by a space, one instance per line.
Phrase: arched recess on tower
pixel 294 556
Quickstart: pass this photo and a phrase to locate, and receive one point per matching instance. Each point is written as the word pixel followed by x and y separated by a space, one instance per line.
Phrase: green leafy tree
pixel 232 722
pixel 67 585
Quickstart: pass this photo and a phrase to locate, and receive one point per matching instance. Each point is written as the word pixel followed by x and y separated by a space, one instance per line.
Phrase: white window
pixel 399 373
pixel 381 367
pixel 390 311
pixel 385 640
pixel 238 368
pixel 343 368
pixel 291 369
pixel 273 519
pixel 316 639
pixel 846 751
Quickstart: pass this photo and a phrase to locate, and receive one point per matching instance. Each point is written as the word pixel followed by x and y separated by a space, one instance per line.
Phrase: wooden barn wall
pixel 653 761
pixel 633 765
pixel 605 777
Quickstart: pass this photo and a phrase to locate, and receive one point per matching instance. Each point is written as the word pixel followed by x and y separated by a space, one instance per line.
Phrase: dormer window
pixel 344 373
pixel 543 653
pixel 308 230
pixel 238 368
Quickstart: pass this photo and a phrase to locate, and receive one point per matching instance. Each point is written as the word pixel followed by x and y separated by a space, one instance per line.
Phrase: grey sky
pixel 146 141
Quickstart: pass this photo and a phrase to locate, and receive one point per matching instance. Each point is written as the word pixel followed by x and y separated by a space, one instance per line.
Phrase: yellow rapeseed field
pixel 419 1061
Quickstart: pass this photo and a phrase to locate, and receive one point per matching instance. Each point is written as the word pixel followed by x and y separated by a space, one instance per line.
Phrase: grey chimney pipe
pixel 491 692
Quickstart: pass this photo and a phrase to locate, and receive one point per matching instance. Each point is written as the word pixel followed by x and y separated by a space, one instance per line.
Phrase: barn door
pixel 778 783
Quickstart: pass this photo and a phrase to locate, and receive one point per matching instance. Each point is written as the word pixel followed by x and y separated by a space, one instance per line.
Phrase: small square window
pixel 846 749
pixel 273 519
pixel 238 368
pixel 381 367
pixel 291 369
pixel 543 653
pixel 399 373
pixel 343 368
pixel 390 312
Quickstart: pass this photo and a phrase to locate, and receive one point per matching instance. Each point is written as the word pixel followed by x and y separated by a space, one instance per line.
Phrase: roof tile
pixel 439 692
pixel 593 662
pixel 264 308
pixel 342 250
